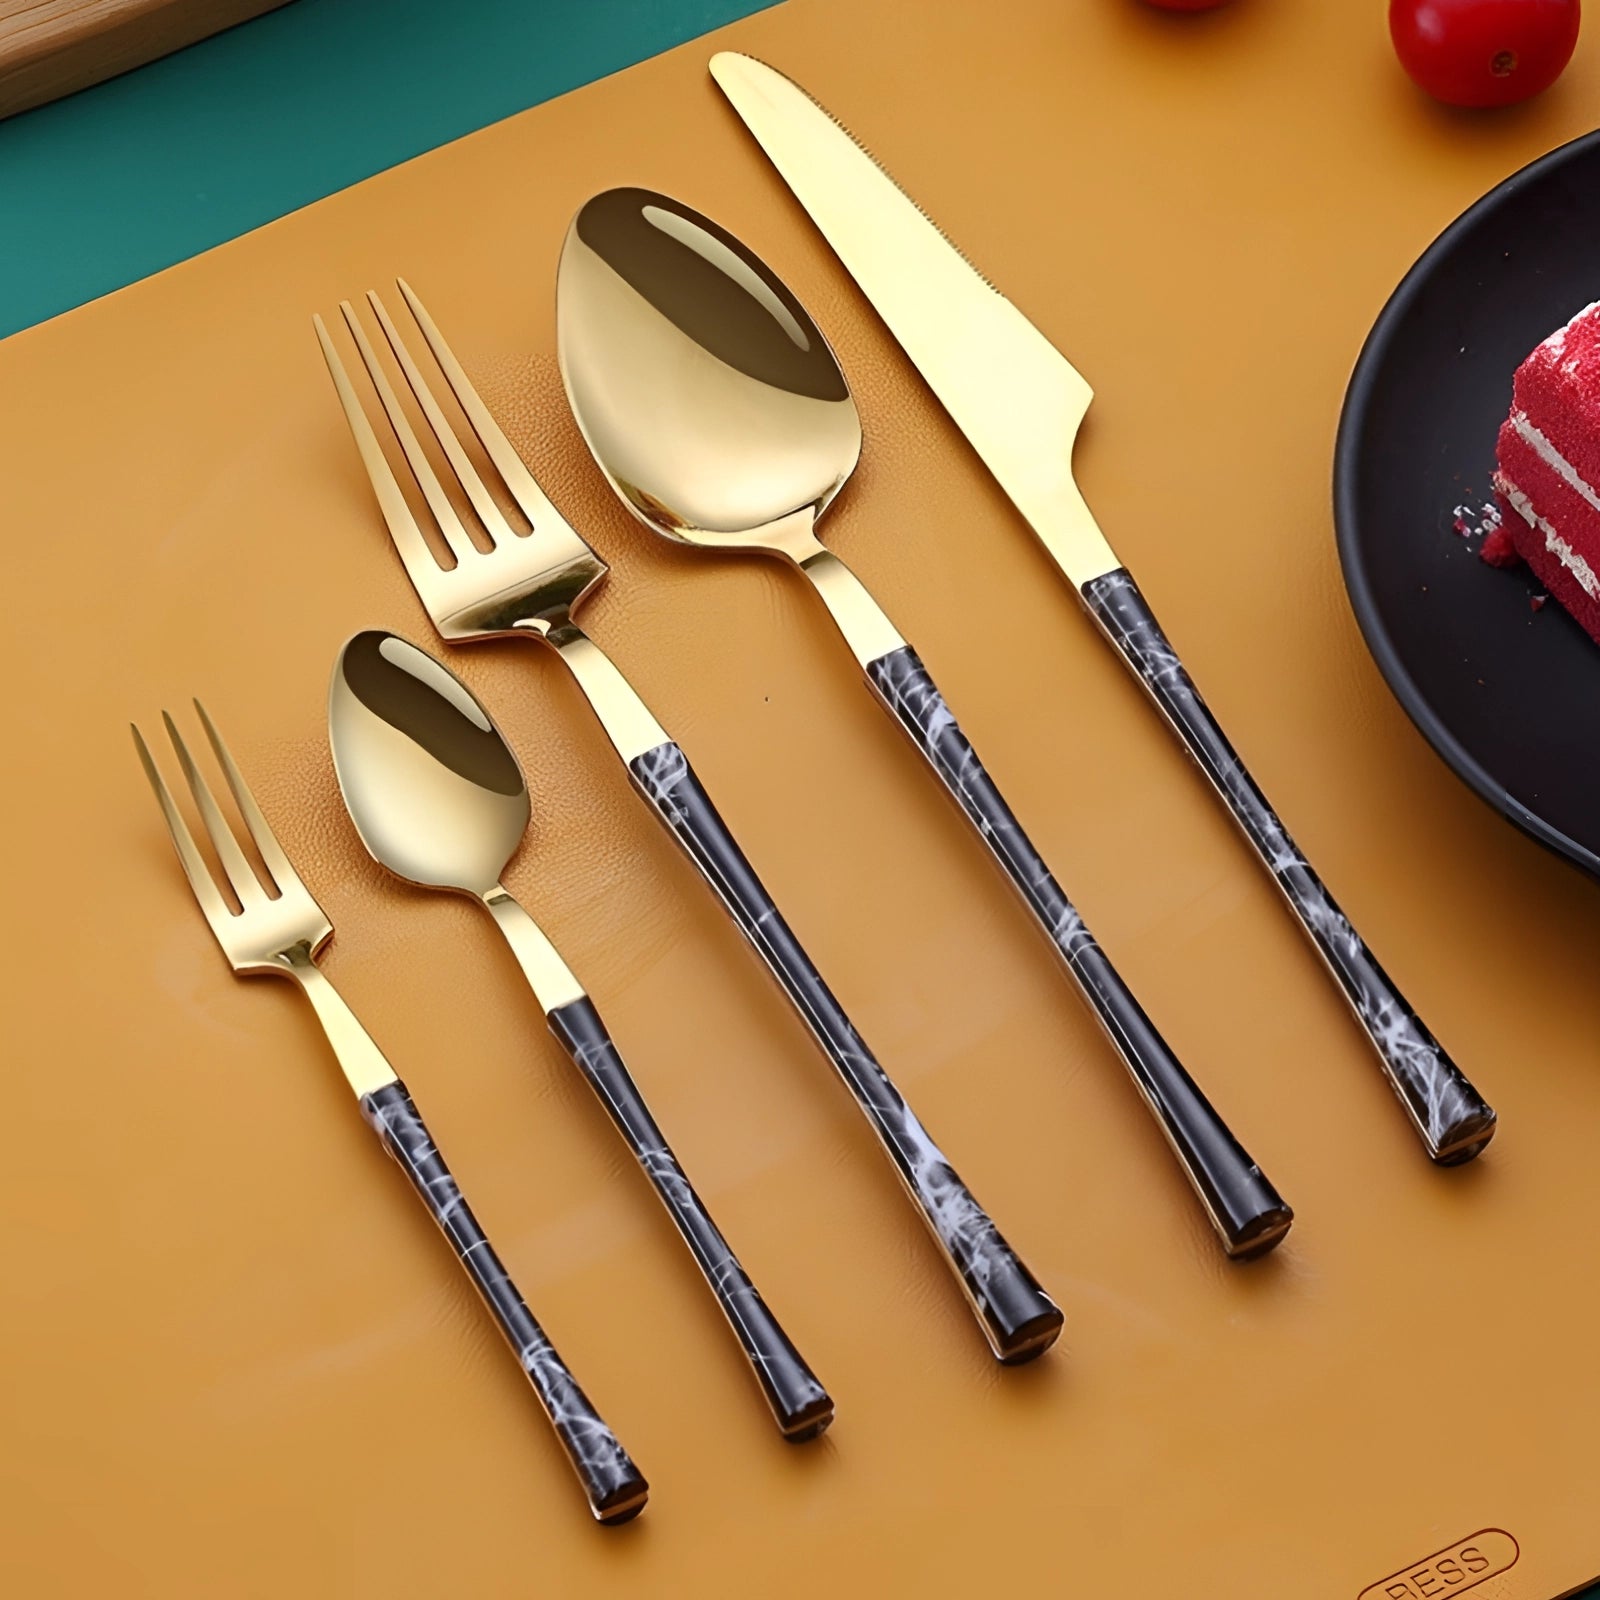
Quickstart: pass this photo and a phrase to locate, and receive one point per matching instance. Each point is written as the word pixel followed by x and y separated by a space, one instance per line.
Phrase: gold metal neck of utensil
pixel 626 719
pixel 862 621
pixel 548 975
pixel 364 1065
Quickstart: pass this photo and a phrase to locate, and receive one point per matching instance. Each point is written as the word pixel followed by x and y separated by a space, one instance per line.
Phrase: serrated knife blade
pixel 1017 399
pixel 1019 402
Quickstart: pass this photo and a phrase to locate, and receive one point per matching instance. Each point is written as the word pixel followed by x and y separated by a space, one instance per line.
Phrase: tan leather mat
pixel 238 1361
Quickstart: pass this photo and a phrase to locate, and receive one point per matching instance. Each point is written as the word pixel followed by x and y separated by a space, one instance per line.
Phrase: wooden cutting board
pixel 49 48
pixel 240 1362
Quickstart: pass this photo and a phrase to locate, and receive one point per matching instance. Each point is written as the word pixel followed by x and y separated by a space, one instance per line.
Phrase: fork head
pixel 277 924
pixel 525 581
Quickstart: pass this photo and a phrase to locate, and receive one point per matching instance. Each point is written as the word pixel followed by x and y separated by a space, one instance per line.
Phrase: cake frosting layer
pixel 1536 535
pixel 1545 494
pixel 1568 577
pixel 1536 441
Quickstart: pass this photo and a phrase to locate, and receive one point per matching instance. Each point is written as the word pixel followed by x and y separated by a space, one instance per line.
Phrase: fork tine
pixel 450 525
pixel 240 873
pixel 494 519
pixel 525 490
pixel 414 550
pixel 266 841
pixel 216 909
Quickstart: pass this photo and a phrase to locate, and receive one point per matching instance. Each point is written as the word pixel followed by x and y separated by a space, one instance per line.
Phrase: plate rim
pixel 1353 416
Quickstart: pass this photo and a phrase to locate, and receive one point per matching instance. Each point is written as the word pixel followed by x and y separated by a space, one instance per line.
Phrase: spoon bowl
pixel 434 791
pixel 705 391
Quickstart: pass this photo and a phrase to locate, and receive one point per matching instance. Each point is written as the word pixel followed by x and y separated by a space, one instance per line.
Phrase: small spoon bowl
pixel 435 793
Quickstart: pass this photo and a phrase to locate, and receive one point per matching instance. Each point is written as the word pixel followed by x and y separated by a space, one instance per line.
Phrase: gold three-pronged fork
pixel 528 585
pixel 276 927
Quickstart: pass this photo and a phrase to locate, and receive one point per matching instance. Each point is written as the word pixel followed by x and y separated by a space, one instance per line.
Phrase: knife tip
pixel 734 66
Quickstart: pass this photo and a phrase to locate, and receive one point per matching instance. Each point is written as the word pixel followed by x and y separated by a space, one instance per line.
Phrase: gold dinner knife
pixel 1019 402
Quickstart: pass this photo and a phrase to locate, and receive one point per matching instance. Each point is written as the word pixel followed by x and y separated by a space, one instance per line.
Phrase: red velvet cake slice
pixel 1548 481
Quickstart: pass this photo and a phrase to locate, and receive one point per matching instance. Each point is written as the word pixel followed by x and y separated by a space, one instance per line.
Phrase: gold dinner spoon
pixel 720 415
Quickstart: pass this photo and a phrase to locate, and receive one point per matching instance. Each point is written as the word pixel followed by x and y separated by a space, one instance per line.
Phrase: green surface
pixel 128 177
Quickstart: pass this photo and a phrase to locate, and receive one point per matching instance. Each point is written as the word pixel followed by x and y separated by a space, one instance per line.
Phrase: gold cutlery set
pixel 717 411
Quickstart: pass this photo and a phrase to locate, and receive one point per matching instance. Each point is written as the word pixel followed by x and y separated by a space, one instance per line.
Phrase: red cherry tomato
pixel 1484 52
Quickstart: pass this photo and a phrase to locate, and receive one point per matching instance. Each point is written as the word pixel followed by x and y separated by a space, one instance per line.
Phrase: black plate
pixel 1510 698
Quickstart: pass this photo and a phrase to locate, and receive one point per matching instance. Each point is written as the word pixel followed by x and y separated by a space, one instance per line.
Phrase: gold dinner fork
pixel 277 928
pixel 528 585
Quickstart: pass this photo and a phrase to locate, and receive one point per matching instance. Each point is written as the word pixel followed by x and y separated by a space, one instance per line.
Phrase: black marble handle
pixel 801 1405
pixel 616 1489
pixel 1453 1119
pixel 1018 1318
pixel 1247 1212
